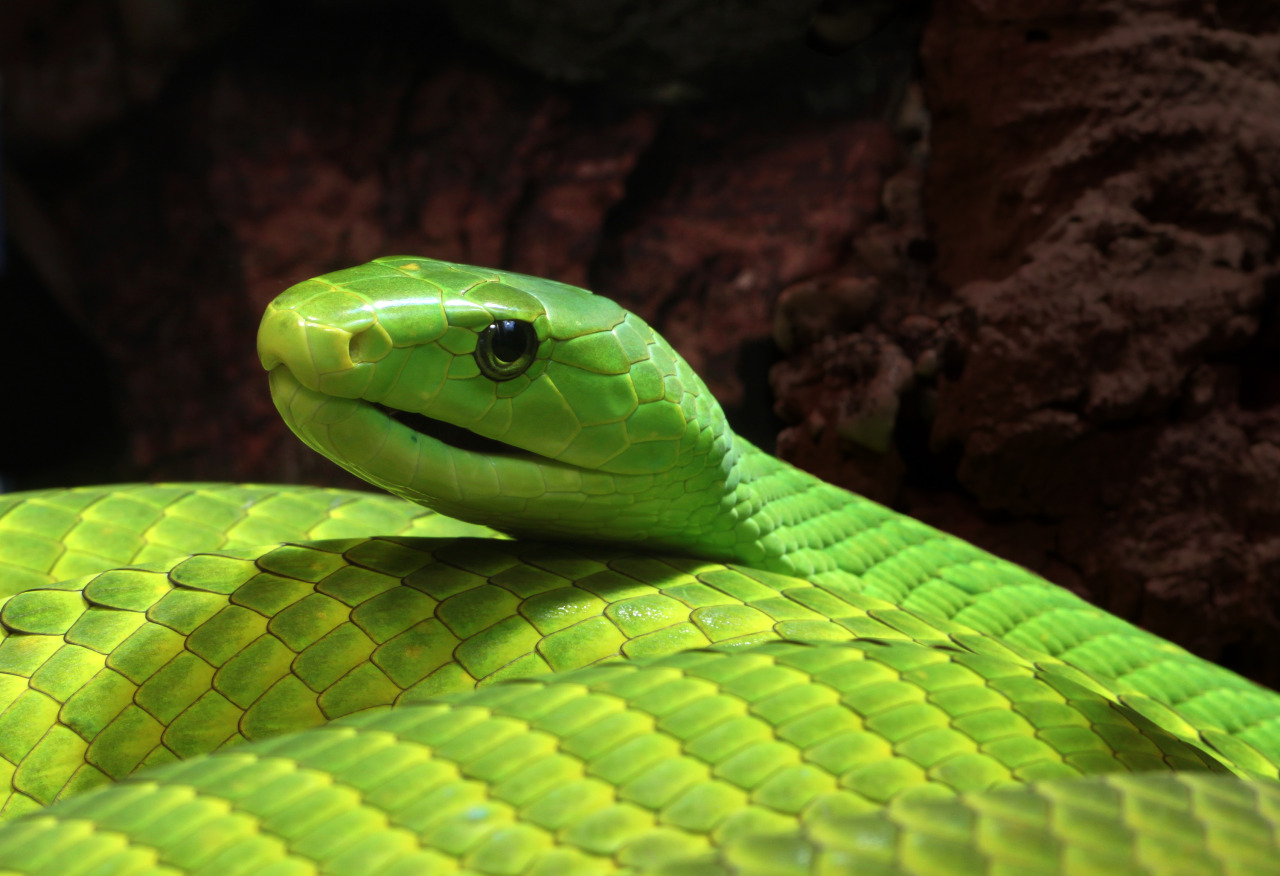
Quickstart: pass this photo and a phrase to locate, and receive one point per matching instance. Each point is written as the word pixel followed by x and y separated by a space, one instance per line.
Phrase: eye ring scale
pixel 506 349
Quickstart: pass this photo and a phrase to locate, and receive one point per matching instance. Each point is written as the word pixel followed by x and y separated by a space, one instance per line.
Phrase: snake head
pixel 528 405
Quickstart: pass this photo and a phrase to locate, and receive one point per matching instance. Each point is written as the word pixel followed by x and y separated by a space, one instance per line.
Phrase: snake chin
pixel 455 436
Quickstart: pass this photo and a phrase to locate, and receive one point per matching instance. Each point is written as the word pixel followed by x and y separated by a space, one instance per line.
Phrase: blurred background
pixel 1010 267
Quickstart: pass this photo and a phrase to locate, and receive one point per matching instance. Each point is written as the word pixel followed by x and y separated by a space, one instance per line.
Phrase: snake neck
pixel 771 515
pixel 731 503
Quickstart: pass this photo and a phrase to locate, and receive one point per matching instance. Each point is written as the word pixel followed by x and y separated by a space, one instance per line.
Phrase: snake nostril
pixel 369 345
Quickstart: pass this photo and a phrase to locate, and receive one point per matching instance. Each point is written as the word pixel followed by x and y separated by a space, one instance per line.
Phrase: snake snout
pixel 323 334
pixel 320 356
pixel 286 339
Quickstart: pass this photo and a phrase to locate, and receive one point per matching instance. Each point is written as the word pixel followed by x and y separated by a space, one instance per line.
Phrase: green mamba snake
pixel 812 683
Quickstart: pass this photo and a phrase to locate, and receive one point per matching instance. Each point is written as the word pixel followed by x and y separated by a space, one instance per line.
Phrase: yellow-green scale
pixel 134 667
pixel 630 764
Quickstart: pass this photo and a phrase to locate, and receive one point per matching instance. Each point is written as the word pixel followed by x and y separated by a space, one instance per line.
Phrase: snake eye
pixel 506 349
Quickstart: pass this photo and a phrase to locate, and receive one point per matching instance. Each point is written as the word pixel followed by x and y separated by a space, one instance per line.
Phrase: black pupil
pixel 507 340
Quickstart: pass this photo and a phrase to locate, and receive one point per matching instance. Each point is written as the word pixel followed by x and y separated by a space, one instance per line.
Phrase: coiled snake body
pixel 710 661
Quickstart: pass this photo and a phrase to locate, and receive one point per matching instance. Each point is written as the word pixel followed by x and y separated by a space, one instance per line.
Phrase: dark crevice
pixel 927 468
pixel 754 417
pixel 1260 362
pixel 69 431
pixel 650 178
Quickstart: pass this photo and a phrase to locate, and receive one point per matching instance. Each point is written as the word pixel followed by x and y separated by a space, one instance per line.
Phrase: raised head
pixel 528 405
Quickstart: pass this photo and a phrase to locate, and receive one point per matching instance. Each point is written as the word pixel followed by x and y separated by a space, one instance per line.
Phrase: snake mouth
pixel 437 464
pixel 457 437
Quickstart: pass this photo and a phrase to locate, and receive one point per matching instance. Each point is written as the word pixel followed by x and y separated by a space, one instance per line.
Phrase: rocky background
pixel 1011 267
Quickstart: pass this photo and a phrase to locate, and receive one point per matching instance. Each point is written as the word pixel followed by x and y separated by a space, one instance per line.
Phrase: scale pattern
pixel 1191 824
pixel 633 765
pixel 55 535
pixel 138 667
pixel 850 544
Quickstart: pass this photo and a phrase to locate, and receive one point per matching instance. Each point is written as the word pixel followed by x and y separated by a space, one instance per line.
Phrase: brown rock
pixel 823 306
pixel 1103 191
pixel 752 209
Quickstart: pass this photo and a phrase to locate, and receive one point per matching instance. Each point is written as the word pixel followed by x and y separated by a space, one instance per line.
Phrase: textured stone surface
pixel 1105 206
pixel 860 375
pixel 748 212
pixel 1095 356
